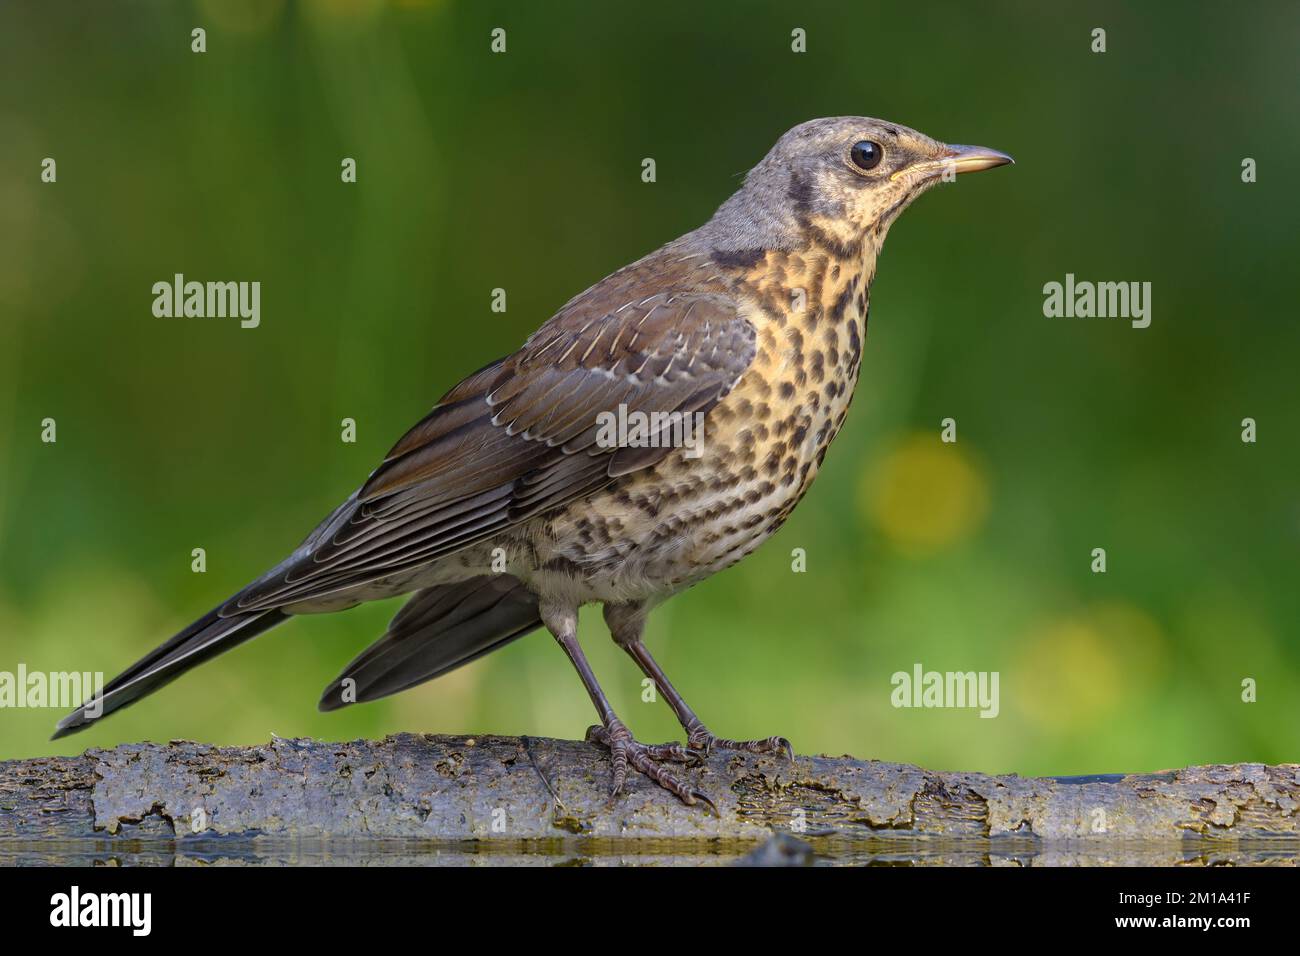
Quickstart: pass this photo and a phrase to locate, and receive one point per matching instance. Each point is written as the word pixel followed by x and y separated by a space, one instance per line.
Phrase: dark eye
pixel 866 154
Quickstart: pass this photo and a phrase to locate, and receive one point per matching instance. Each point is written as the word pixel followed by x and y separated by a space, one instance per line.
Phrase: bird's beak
pixel 971 159
pixel 953 160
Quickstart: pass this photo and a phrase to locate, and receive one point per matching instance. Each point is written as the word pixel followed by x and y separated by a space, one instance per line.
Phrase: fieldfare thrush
pixel 569 472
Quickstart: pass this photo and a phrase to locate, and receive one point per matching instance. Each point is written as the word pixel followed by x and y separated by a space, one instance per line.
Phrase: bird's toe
pixel 649 760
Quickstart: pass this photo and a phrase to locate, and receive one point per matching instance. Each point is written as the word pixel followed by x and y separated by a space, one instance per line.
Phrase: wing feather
pixel 519 437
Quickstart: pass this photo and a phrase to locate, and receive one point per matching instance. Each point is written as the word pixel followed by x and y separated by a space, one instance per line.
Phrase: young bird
pixel 508 506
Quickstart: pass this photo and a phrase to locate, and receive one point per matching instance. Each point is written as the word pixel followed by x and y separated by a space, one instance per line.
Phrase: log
pixel 416 797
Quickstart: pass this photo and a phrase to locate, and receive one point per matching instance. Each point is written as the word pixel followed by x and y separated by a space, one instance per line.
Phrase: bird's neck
pixel 808 261
pixel 798 293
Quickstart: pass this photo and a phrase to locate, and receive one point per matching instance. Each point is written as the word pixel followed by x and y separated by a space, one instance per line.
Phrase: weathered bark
pixel 516 797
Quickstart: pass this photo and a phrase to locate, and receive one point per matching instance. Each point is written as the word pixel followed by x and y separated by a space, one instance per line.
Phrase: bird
pixel 513 502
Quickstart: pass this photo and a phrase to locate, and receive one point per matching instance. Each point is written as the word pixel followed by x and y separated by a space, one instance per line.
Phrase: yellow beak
pixel 959 159
pixel 971 159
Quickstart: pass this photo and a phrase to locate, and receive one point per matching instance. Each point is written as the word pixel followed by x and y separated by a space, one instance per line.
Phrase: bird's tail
pixel 437 630
pixel 203 640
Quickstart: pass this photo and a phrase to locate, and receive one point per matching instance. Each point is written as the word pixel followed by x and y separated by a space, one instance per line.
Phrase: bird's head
pixel 847 178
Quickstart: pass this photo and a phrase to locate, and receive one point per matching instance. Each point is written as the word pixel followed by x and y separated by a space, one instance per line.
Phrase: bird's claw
pixel 702 740
pixel 648 759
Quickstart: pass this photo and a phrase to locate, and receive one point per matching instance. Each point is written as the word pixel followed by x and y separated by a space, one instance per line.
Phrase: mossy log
pixel 509 792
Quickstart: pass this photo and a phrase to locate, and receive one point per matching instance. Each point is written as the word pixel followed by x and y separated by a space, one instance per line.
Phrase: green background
pixel 522 171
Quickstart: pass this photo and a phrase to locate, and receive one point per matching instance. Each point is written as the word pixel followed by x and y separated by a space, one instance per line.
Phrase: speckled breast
pixel 665 528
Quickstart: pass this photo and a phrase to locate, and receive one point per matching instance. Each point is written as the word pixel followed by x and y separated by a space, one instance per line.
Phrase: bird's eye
pixel 866 154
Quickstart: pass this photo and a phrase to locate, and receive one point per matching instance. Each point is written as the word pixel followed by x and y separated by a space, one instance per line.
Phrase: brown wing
pixel 519 437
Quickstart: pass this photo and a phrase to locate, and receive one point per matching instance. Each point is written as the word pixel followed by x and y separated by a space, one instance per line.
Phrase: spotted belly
pixel 655 532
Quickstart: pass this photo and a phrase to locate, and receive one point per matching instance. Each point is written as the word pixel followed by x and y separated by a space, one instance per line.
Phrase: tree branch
pixel 453 788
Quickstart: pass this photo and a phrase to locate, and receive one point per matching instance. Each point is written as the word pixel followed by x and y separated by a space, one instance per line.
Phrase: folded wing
pixel 519 438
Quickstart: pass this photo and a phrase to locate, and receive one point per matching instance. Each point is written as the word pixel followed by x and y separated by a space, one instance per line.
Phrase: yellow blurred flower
pixel 925 495
pixel 1087 666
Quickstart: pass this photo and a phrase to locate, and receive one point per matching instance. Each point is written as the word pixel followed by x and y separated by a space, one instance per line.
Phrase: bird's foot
pixel 701 739
pixel 648 759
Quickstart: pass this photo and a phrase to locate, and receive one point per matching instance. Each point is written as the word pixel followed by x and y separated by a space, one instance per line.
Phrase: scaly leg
pixel 626 624
pixel 562 622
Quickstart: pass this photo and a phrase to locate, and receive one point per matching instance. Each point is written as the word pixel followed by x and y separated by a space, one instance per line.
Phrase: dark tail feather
pixel 203 640
pixel 436 631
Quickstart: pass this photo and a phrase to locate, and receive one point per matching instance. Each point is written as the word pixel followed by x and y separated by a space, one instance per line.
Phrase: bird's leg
pixel 626 624
pixel 698 736
pixel 624 750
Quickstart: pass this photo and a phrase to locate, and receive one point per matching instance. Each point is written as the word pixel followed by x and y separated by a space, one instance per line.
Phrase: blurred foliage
pixel 522 171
